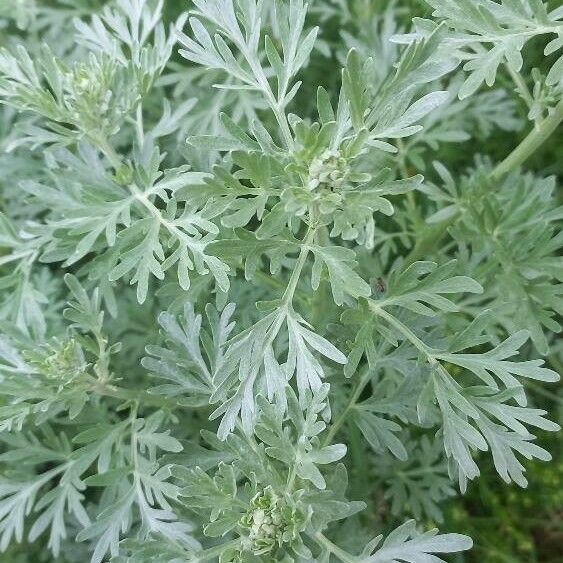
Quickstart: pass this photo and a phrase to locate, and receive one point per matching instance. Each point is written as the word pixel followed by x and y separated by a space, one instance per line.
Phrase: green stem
pixel 360 386
pixel 269 280
pixel 101 367
pixel 288 294
pixel 284 126
pixel 139 126
pixel 521 86
pixel 248 439
pixel 535 139
pixel 317 303
pixel 404 330
pixel 109 152
pixel 275 103
pixel 134 445
pixel 107 390
pixel 292 476
pixel 285 307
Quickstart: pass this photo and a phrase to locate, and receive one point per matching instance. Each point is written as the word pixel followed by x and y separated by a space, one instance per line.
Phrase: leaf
pixel 380 433
pixel 406 544
pixel 304 453
pixel 461 436
pixel 186 369
pixel 555 73
pixel 354 87
pixel 420 287
pixel 251 250
pixel 495 362
pixel 404 126
pixel 424 483
pixel 487 33
pixel 300 359
pixel 338 262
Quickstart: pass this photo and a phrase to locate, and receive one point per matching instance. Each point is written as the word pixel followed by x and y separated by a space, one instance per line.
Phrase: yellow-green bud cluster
pixel 270 521
pixel 59 360
pixel 88 90
pixel 329 170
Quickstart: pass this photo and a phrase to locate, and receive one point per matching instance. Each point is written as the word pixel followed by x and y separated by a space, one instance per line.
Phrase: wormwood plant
pixel 226 285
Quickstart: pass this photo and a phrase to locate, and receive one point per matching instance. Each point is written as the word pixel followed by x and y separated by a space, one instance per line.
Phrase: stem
pixel 285 307
pixel 101 367
pixel 556 363
pixel 530 144
pixel 401 162
pixel 316 304
pixel 292 476
pixel 104 145
pixel 538 30
pixel 296 274
pixel 521 86
pixel 275 283
pixel 193 244
pixel 287 299
pixel 275 104
pixel 134 442
pixel 284 125
pixel 405 331
pixel 123 394
pixel 263 85
pixel 360 386
pixel 248 439
pixel 344 556
pixel 139 126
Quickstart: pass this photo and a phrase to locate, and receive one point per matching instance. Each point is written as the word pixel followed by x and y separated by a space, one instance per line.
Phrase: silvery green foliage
pixel 487 33
pixel 283 323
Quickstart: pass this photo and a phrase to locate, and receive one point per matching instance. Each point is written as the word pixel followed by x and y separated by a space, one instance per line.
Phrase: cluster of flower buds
pixel 88 89
pixel 58 360
pixel 329 170
pixel 270 522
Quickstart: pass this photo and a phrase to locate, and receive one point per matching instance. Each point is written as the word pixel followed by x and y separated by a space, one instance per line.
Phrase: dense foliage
pixel 257 308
